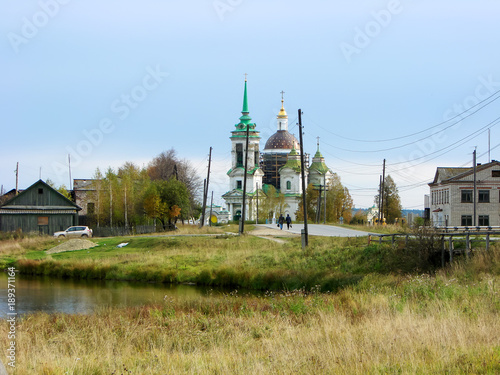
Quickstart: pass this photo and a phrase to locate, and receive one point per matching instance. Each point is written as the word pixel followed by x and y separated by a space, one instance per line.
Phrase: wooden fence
pixel 446 238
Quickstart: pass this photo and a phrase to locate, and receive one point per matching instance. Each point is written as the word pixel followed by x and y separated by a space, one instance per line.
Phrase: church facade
pixel 277 165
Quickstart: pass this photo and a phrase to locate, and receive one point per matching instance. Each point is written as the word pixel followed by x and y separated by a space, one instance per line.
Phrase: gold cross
pixel 282 92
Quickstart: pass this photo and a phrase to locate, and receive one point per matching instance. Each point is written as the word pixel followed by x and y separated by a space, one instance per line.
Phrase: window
pixel 466 196
pixel 466 220
pixel 495 173
pixel 40 191
pixel 484 220
pixel 90 208
pixel 288 185
pixel 256 157
pixel 238 184
pixel 239 155
pixel 484 196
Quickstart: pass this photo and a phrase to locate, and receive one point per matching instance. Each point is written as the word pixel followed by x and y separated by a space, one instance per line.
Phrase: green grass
pixel 227 261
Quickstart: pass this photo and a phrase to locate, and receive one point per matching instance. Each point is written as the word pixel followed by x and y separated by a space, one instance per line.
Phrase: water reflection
pixel 84 296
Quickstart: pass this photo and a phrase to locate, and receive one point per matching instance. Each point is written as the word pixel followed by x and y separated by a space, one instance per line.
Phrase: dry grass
pixel 353 332
pixel 14 247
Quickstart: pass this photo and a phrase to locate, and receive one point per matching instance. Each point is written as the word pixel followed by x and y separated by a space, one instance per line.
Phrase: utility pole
pixel 383 190
pixel 17 178
pixel 318 214
pixel 257 193
pixel 205 190
pixel 243 209
pixel 379 200
pixel 69 167
pixel 324 179
pixel 475 186
pixel 304 206
pixel 211 205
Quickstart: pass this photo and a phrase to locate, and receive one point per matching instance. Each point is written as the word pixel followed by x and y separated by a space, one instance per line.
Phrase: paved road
pixel 320 230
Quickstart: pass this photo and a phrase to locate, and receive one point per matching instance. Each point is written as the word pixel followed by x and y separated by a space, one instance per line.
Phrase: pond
pixel 84 296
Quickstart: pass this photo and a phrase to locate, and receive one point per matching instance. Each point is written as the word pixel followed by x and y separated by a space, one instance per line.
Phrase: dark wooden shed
pixel 40 208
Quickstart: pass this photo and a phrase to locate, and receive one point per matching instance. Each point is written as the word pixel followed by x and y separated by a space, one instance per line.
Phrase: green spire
pixel 245 100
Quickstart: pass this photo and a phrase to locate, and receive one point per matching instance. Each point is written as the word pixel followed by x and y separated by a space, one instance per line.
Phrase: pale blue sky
pixel 360 71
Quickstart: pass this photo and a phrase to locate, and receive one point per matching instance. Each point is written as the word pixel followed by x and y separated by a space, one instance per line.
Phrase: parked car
pixel 78 231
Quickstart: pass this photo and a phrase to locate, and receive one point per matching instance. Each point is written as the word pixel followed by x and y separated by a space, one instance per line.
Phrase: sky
pixel 109 82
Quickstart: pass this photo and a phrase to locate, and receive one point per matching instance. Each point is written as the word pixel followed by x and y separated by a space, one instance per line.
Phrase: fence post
pixel 451 249
pixel 442 251
pixel 467 245
pixel 369 239
pixel 406 241
pixel 487 241
pixel 393 239
pixel 380 239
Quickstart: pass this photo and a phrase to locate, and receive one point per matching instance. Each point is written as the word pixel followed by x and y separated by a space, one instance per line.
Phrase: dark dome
pixel 282 139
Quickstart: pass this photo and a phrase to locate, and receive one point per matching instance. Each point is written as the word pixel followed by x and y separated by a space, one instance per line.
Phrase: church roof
pixel 318 163
pixel 293 161
pixel 282 139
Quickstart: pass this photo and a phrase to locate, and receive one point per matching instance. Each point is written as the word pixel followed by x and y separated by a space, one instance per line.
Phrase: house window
pixel 484 196
pixel 466 220
pixel 238 184
pixel 288 185
pixel 90 208
pixel 40 190
pixel 484 220
pixel 495 173
pixel 466 196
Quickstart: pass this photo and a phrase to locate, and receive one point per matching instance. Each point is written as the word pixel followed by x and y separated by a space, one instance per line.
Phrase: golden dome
pixel 282 113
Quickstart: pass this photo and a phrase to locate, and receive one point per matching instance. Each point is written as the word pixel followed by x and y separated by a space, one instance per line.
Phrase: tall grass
pixel 384 324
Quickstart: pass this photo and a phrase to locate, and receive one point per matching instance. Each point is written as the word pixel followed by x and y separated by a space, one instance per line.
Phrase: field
pixel 341 307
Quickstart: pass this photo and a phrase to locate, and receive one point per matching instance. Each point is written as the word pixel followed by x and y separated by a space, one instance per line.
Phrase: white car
pixel 79 231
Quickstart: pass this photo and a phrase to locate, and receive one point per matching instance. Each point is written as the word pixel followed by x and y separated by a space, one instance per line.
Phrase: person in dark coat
pixel 281 221
pixel 288 221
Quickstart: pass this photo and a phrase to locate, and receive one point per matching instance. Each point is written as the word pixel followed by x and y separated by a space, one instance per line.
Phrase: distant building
pixel 452 196
pixel 219 215
pixel 40 208
pixel 83 192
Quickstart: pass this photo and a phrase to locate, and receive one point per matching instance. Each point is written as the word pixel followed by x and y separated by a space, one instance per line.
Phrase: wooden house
pixel 40 208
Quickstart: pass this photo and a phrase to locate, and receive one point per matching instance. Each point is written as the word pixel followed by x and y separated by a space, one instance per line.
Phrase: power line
pixel 421 131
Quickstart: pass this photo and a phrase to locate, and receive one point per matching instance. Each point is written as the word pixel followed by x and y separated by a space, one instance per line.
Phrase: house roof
pixel 451 174
pixel 20 201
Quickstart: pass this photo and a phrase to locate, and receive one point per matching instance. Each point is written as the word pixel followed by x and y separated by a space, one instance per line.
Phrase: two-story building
pixel 452 198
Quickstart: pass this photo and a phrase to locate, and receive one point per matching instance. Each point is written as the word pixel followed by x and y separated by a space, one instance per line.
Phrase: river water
pixel 84 296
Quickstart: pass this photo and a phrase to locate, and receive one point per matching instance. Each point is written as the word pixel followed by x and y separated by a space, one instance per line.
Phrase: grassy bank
pixel 446 323
pixel 222 260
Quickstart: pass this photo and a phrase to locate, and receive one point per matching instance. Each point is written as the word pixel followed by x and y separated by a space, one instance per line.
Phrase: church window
pixel 238 184
pixel 239 155
pixel 256 157
pixel 288 185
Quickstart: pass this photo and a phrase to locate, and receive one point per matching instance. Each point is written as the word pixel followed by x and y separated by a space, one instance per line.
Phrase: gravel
pixel 72 245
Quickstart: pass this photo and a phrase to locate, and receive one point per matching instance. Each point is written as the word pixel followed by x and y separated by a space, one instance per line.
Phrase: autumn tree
pixel 392 202
pixel 273 203
pixel 166 201
pixel 167 165
pixel 339 202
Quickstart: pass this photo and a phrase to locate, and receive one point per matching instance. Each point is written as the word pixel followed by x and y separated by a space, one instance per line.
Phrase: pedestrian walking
pixel 288 221
pixel 281 221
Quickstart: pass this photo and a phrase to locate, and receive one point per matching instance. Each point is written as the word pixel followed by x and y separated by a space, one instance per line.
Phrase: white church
pixel 278 165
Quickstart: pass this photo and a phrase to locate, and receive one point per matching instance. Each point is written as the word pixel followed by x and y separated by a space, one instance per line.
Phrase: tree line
pixel 165 191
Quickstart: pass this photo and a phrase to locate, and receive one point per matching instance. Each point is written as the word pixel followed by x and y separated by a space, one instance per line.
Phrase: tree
pixel 166 200
pixel 312 195
pixel 392 202
pixel 167 165
pixel 273 204
pixel 338 201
